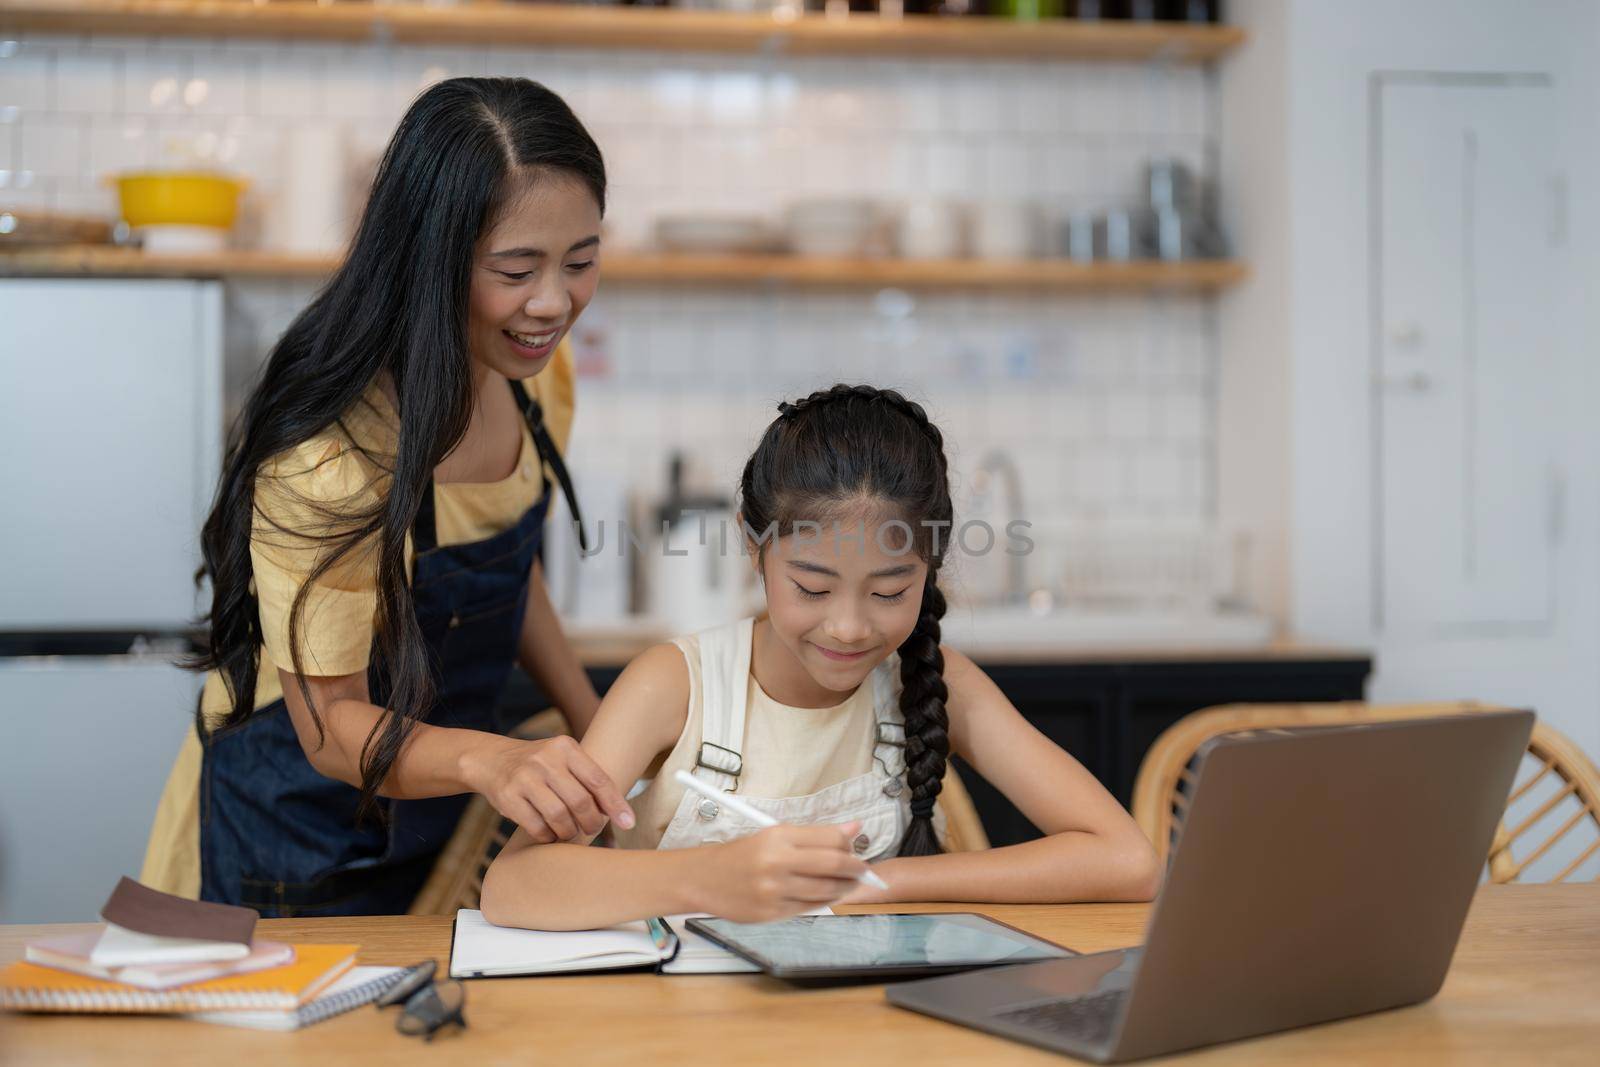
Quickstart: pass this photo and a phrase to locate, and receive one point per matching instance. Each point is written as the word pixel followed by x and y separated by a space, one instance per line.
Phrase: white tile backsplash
pixel 152 76
pixel 292 81
pixel 88 79
pixel 1105 401
pixel 27 75
pixel 53 146
pixel 1128 416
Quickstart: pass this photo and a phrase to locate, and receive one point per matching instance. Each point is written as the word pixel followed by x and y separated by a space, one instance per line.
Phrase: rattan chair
pixel 1561 781
pixel 457 877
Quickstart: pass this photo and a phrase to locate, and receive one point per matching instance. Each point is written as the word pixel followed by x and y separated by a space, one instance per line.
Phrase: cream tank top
pixel 799 765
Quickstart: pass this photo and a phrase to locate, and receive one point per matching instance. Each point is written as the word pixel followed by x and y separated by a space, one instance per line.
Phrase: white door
pixel 1468 364
pixel 1476 414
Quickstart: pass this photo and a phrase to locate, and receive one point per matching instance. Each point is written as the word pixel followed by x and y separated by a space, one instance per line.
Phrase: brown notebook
pixel 138 907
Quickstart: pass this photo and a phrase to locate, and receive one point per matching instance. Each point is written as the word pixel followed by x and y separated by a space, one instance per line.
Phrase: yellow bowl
pixel 179 198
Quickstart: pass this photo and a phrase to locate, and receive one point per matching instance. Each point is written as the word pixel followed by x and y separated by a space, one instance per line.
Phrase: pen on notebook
pixel 760 818
pixel 660 933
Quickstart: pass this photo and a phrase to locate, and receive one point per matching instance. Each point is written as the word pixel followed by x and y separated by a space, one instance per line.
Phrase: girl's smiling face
pixel 843 598
pixel 533 273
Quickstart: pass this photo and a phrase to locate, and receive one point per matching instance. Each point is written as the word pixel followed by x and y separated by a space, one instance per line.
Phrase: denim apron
pixel 277 836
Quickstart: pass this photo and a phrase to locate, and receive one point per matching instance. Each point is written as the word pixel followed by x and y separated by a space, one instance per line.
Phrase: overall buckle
pixel 731 763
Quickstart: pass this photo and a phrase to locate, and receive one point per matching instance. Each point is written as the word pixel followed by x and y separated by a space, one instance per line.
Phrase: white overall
pixel 878 798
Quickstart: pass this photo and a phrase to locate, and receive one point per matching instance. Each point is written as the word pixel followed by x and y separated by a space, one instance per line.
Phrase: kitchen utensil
pixel 1077 235
pixel 182 240
pixel 1114 237
pixel 933 229
pixel 840 226
pixel 1005 229
pixel 179 198
pixel 1175 224
pixel 699 576
pixel 1179 233
pixel 713 233
pixel 312 211
pixel 23 227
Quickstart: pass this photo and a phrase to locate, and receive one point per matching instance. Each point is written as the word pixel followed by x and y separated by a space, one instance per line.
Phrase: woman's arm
pixel 544 652
pixel 1093 850
pixel 776 872
pixel 551 789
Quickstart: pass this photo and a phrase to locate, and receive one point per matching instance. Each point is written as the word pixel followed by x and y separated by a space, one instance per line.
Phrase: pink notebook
pixel 72 954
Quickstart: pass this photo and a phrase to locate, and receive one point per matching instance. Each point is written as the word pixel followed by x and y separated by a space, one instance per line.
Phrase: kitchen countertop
pixel 615 645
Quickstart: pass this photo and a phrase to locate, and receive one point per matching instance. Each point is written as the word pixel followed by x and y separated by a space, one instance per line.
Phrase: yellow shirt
pixel 300 496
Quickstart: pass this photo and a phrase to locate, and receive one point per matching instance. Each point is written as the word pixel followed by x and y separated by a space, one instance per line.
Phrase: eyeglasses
pixel 426 1006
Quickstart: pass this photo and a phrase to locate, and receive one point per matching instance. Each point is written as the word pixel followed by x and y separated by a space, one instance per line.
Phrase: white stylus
pixel 760 818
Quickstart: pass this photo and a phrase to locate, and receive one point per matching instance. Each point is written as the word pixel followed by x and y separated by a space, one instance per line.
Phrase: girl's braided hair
pixel 828 453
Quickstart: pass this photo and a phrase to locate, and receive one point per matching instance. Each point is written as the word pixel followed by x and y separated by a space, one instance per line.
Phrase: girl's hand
pixel 550 788
pixel 779 872
pixel 862 893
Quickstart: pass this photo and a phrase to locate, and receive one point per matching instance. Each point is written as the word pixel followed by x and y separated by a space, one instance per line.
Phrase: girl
pixel 835 713
pixel 372 549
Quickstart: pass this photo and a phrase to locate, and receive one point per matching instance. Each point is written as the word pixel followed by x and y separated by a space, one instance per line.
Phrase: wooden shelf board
pixel 818 272
pixel 668 269
pixel 549 25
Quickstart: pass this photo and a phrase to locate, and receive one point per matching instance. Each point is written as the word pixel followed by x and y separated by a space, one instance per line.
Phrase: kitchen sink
pixel 1020 630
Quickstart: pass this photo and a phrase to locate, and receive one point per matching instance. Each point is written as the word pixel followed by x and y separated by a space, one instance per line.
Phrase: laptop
pixel 1320 873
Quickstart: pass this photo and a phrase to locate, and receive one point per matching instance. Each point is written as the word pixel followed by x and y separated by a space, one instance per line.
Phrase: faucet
pixel 998 464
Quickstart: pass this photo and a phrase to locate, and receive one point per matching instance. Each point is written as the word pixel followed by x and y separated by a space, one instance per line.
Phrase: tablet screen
pixel 869 942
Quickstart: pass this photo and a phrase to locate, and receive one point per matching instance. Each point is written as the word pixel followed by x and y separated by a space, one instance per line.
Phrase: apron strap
pixel 724 691
pixel 424 531
pixel 549 453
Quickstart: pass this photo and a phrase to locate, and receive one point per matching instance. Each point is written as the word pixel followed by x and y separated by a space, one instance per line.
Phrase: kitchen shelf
pixel 820 272
pixel 668 29
pixel 807 272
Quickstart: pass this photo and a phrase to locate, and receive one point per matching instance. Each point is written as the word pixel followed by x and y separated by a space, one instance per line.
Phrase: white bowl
pixel 711 233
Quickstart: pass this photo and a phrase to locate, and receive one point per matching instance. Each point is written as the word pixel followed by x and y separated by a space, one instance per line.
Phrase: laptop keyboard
pixel 1089 1018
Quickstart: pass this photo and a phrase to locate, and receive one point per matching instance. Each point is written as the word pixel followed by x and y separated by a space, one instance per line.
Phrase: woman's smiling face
pixel 534 271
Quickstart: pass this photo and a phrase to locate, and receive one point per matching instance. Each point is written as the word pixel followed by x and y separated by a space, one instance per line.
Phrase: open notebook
pixel 483 950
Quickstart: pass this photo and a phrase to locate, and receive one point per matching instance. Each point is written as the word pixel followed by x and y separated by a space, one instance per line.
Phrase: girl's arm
pixel 548 788
pixel 544 652
pixel 775 872
pixel 1093 850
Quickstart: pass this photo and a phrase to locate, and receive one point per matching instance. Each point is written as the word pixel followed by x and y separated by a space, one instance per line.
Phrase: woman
pixel 373 546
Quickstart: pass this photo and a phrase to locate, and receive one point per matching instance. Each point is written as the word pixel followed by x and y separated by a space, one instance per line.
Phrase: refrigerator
pixel 110 445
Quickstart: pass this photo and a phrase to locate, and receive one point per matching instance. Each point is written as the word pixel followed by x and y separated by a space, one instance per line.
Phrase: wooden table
pixel 1524 988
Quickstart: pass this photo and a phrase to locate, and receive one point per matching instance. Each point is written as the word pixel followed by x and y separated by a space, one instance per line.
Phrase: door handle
pixel 1406 335
pixel 1410 382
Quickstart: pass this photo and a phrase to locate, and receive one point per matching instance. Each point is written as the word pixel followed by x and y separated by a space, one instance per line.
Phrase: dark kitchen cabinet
pixel 1108 714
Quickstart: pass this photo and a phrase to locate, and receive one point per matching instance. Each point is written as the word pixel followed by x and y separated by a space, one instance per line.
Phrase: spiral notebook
pixel 360 985
pixel 30 987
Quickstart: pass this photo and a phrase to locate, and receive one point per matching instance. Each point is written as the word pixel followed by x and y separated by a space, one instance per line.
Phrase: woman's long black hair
pixel 856 444
pixel 396 307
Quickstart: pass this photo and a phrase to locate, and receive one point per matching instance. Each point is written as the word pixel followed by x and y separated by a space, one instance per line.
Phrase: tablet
pixel 875 947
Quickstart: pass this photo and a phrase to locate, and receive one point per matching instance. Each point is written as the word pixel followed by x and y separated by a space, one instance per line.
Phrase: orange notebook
pixel 30 987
